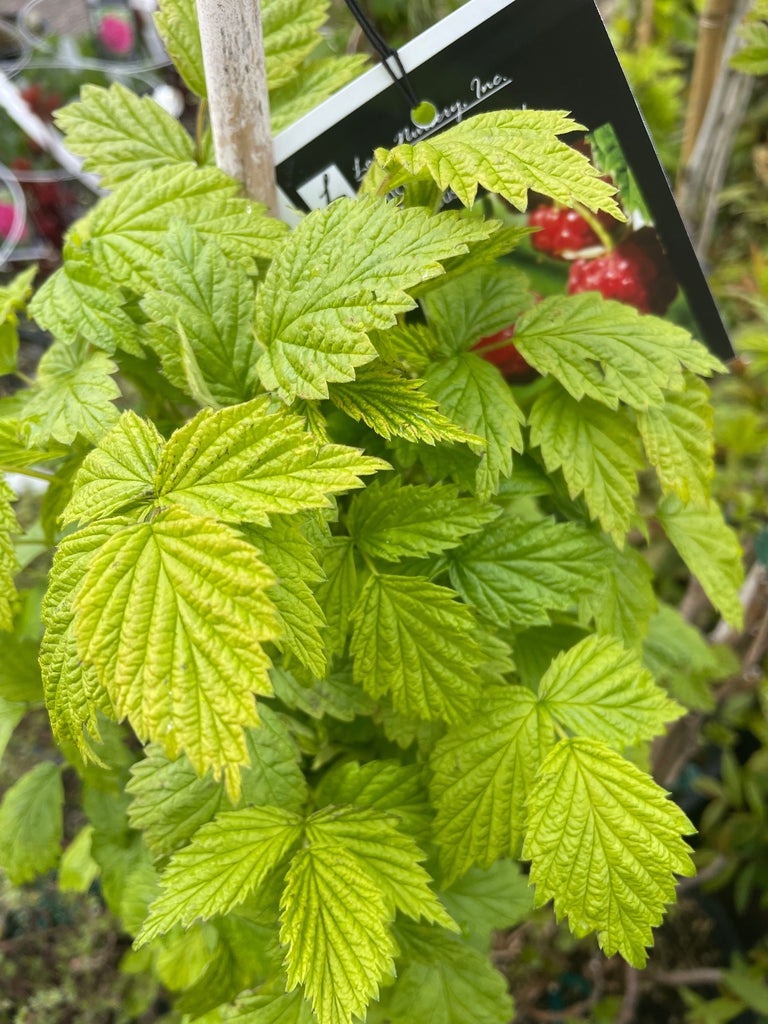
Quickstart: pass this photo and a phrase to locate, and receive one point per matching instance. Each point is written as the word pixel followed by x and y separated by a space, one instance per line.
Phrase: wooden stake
pixel 236 80
pixel 713 27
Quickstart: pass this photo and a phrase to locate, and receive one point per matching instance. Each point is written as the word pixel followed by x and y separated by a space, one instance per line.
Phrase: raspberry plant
pixel 341 627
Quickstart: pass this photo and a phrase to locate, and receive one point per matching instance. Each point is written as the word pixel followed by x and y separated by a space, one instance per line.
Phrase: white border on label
pixel 376 79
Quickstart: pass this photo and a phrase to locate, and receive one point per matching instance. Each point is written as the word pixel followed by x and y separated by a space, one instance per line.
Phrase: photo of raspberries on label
pixel 564 231
pixel 636 272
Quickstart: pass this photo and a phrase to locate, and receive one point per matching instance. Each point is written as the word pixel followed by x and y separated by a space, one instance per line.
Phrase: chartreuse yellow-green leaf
pixel 391 522
pixel 394 405
pixel 176 22
pixel 237 464
pixel 248 460
pixel 118 473
pixel 312 83
pixel 173 614
pixel 599 689
pixel 414 641
pixel 624 601
pixel 605 843
pixel 598 451
pixel 31 823
pixel 8 563
pixel 345 271
pixel 679 442
pixel 125 233
pixel 387 855
pixel 227 860
pixel 482 773
pixel 508 152
pixel 13 299
pixel 271 1004
pixel 334 922
pixel 120 133
pixel 72 690
pixel 472 393
pixel 710 549
pixel 198 294
pixel 74 396
pixel 608 351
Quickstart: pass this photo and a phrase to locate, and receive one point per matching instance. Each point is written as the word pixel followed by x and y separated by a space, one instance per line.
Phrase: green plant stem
pixel 368 562
pixel 36 474
pixel 23 377
pixel 596 226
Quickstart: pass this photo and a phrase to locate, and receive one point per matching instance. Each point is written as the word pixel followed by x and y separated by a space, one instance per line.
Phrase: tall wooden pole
pixel 236 81
pixel 713 29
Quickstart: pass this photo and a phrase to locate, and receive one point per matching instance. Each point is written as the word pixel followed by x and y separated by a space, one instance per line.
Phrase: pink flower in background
pixel 116 34
pixel 6 221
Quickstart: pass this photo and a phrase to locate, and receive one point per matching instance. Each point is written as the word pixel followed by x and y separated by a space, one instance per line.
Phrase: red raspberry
pixel 6 221
pixel 116 34
pixel 561 231
pixel 637 272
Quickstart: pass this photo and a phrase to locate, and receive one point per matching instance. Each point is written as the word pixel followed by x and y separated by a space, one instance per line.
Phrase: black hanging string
pixel 386 54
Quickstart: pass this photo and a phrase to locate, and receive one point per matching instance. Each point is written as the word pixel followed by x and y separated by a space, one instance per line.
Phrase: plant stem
pixel 36 474
pixel 23 377
pixel 596 226
pixel 368 562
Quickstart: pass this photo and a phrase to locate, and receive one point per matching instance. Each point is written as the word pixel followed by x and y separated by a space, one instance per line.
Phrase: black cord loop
pixel 386 53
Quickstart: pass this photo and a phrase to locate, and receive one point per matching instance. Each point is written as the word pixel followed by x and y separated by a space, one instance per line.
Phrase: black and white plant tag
pixel 494 55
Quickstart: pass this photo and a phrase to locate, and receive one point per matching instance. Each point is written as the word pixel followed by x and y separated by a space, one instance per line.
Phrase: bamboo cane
pixel 713 28
pixel 236 81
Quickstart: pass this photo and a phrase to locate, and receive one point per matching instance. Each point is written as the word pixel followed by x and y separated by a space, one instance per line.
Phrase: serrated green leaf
pixel 31 823
pixel 19 670
pixel 125 233
pixel 14 453
pixel 245 461
pixel 74 396
pixel 600 690
pixel 121 134
pixel 536 647
pixel 483 771
pixel 604 842
pixel 73 693
pixel 292 559
pixel 679 442
pixel 752 58
pixel 475 305
pixel 176 21
pixel 344 272
pixel 13 298
pixel 271 1005
pixel 334 923
pixel 623 603
pixel 710 549
pixel 309 86
pixel 608 351
pixel 118 473
pixel 472 393
pixel 230 968
pixel 598 451
pixel 79 300
pixel 482 901
pixel 394 405
pixel 274 775
pixel 384 786
pixel 227 859
pixel 8 563
pixel 169 800
pixel 516 572
pixel 337 695
pixel 508 152
pixel 338 594
pixel 444 981
pixel 211 300
pixel 413 640
pixel 173 613
pixel 290 29
pixel 391 522
pixel 390 858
